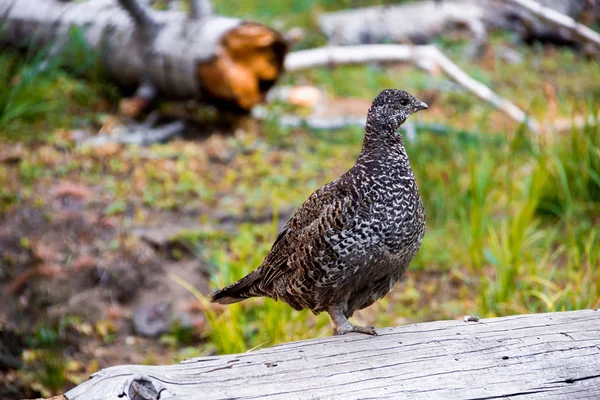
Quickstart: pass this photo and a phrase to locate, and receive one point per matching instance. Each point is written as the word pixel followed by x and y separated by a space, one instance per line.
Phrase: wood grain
pixel 549 356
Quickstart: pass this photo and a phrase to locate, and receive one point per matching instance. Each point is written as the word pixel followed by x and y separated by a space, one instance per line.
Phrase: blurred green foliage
pixel 488 225
pixel 40 92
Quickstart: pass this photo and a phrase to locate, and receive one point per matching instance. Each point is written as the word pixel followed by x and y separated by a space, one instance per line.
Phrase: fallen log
pixel 413 22
pixel 537 356
pixel 420 22
pixel 219 59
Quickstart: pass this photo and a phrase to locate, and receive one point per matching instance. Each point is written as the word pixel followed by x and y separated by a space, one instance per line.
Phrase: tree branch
pixel 560 20
pixel 479 89
pixel 140 14
pixel 201 9
pixel 143 134
pixel 317 123
pixel 133 106
pixel 427 57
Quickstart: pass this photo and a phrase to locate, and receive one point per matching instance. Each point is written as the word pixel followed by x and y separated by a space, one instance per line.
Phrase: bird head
pixel 392 107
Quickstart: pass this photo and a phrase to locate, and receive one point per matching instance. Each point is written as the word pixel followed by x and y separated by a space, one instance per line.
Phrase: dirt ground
pixel 104 285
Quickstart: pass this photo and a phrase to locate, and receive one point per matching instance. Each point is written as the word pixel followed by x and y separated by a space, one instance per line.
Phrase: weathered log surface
pixel 538 356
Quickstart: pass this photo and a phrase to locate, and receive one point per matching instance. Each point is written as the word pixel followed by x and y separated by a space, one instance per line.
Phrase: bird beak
pixel 421 106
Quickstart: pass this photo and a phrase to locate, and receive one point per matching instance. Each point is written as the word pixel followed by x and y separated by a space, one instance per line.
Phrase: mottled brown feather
pixel 352 239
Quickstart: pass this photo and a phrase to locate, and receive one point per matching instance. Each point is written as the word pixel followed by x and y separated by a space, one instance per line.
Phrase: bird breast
pixel 389 218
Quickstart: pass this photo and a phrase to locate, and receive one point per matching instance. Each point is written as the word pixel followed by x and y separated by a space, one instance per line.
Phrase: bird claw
pixel 367 330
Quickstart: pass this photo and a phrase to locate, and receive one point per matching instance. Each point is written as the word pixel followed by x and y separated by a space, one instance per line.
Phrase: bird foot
pixel 342 330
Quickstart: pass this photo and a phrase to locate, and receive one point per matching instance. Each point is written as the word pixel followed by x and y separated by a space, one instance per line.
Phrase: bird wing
pixel 327 210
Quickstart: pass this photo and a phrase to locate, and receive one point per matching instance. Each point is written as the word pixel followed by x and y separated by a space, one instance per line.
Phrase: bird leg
pixel 341 325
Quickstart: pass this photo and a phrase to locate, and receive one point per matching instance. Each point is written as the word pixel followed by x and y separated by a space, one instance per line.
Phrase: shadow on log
pixel 537 356
pixel 221 59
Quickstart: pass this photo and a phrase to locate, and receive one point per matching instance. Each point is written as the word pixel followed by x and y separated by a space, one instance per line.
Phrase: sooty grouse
pixel 352 239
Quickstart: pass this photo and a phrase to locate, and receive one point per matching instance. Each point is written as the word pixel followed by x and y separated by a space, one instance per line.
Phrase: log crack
pixel 508 395
pixel 573 380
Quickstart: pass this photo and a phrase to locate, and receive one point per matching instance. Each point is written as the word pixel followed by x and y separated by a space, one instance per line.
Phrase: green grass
pixel 40 92
pixel 487 224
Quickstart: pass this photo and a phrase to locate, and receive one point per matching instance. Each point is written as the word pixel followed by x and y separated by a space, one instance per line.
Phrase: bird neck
pixel 382 137
pixel 383 147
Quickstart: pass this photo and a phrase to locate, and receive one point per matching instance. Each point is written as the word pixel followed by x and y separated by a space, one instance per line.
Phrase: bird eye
pixel 403 102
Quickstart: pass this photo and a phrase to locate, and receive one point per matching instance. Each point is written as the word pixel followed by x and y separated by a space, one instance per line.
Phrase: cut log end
pixel 247 64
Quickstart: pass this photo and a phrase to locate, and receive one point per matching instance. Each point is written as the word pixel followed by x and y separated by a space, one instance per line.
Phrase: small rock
pixel 152 320
pixel 305 96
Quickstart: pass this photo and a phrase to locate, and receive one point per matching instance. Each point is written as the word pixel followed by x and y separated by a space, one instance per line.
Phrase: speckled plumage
pixel 352 239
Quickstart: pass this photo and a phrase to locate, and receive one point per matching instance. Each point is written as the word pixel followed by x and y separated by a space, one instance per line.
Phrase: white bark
pixel 140 13
pixel 137 134
pixel 540 356
pixel 417 22
pixel 427 57
pixel 175 53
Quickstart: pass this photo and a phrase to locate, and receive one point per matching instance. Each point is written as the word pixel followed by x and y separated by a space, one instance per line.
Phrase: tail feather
pixel 245 288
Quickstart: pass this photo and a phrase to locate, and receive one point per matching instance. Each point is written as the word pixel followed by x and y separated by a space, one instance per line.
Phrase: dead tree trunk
pixel 420 21
pixel 537 356
pixel 413 22
pixel 218 58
